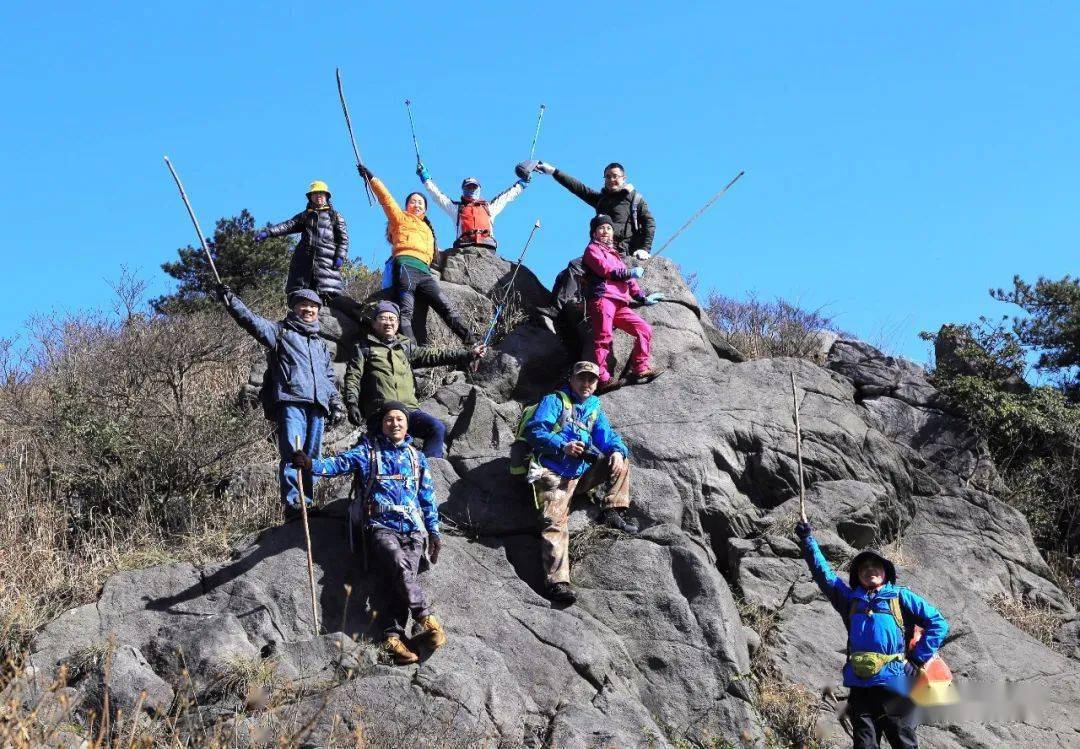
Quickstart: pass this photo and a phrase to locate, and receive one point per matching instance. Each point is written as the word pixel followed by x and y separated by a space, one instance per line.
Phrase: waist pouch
pixel 867 665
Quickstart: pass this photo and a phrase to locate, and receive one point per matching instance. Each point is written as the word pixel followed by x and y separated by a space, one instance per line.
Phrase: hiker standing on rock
pixel 611 287
pixel 631 218
pixel 574 452
pixel 880 617
pixel 323 247
pixel 473 217
pixel 413 247
pixel 300 392
pixel 381 370
pixel 397 507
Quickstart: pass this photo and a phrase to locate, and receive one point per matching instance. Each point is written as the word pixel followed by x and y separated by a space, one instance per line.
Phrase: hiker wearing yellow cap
pixel 881 618
pixel 323 247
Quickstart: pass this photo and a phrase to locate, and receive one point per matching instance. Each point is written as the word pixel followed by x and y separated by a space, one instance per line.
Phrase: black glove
pixel 803 530
pixel 223 292
pixel 301 461
pixel 525 169
pixel 364 171
pixel 434 548
pixel 592 454
pixel 355 417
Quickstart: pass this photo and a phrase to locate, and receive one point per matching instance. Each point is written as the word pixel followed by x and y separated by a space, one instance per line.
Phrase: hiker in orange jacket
pixel 413 247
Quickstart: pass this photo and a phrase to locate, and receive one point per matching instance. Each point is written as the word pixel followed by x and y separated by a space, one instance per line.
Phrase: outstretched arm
pixel 261 329
pixel 576 186
pixel 440 198
pixel 355 460
pixel 505 197
pixel 293 225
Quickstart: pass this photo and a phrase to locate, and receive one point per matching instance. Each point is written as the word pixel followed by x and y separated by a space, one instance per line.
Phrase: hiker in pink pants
pixel 611 287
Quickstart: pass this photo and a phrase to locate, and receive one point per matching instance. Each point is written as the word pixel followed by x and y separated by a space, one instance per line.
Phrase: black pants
pixel 876 711
pixel 409 283
pixel 397 556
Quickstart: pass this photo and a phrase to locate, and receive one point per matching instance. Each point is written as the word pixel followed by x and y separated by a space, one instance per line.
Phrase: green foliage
pixel 242 264
pixel 1052 327
pixel 1033 432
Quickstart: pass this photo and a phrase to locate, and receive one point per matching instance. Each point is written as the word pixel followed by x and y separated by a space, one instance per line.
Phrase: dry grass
pixel 1038 620
pixel 791 711
pixel 768 329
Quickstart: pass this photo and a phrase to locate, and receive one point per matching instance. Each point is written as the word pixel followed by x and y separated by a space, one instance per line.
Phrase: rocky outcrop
pixel 655 652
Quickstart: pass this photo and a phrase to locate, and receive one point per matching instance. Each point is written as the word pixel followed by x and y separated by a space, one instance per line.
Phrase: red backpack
pixel 474 224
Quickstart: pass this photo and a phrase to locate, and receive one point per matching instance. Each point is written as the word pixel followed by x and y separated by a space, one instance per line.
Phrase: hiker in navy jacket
pixel 880 669
pixel 301 387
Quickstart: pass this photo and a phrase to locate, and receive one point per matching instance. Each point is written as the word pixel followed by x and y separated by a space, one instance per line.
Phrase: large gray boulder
pixel 656 652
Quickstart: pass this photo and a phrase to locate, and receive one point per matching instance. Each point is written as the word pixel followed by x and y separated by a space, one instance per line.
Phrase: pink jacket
pixel 610 276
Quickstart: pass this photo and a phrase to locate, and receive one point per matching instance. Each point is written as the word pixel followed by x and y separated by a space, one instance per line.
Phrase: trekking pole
pixel 510 285
pixel 352 138
pixel 798 451
pixel 307 539
pixel 202 240
pixel 694 218
pixel 412 127
pixel 539 117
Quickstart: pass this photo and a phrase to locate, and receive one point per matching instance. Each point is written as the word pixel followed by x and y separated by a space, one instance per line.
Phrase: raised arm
pixel 261 329
pixel 836 590
pixel 386 200
pixel 576 186
pixel 440 199
pixel 505 197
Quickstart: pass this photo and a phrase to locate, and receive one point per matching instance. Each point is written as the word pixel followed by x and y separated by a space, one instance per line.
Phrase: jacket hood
pixel 862 556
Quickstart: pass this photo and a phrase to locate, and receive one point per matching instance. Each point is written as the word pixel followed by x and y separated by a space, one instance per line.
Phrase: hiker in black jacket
pixel 323 247
pixel 633 222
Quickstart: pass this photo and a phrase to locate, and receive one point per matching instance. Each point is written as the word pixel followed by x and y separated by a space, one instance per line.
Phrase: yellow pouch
pixel 866 665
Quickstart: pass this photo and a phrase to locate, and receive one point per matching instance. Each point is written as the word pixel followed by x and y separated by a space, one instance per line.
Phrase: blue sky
pixel 900 159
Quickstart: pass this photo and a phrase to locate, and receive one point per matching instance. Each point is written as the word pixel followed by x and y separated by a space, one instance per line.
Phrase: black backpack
pixel 569 288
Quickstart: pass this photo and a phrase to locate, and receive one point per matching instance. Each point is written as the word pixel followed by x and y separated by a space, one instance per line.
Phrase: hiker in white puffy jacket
pixel 473 216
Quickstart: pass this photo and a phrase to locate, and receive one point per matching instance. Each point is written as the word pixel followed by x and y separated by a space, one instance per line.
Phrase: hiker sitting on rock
pixel 412 240
pixel 611 285
pixel 574 451
pixel 323 247
pixel 631 219
pixel 473 217
pixel 381 370
pixel 301 390
pixel 397 506
pixel 880 617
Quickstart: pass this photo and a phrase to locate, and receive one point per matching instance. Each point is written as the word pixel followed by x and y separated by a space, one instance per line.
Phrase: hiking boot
pixel 561 593
pixel 398 651
pixel 617 520
pixel 640 378
pixel 292 512
pixel 429 633
pixel 608 386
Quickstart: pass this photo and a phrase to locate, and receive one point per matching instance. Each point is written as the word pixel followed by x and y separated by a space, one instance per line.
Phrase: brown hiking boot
pixel 606 387
pixel 640 378
pixel 429 633
pixel 398 651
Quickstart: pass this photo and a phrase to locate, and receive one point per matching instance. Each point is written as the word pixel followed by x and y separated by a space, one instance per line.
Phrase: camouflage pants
pixel 554 494
pixel 397 556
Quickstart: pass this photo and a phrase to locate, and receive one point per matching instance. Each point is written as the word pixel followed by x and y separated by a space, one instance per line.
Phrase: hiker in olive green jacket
pixel 381 370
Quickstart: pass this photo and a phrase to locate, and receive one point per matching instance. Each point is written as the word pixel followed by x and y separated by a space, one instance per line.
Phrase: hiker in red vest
pixel 473 217
pixel 611 285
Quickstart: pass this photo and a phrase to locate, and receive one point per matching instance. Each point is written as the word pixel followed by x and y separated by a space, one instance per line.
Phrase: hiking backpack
pixel 521 452
pixel 569 288
pixel 358 511
pixel 474 224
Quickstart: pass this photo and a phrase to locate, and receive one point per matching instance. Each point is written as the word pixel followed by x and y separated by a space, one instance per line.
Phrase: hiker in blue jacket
pixel 575 452
pixel 301 391
pixel 880 668
pixel 397 507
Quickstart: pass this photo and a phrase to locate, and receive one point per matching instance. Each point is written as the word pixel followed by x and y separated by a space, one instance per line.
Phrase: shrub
pixel 766 329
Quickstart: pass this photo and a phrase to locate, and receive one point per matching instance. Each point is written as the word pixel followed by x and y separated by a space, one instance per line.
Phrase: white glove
pixel 545 168
pixel 642 255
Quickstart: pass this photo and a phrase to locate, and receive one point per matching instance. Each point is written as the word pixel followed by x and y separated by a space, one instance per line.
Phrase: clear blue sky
pixel 901 158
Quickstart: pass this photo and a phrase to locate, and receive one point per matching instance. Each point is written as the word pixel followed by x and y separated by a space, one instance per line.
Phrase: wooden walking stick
pixel 307 538
pixel 798 451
